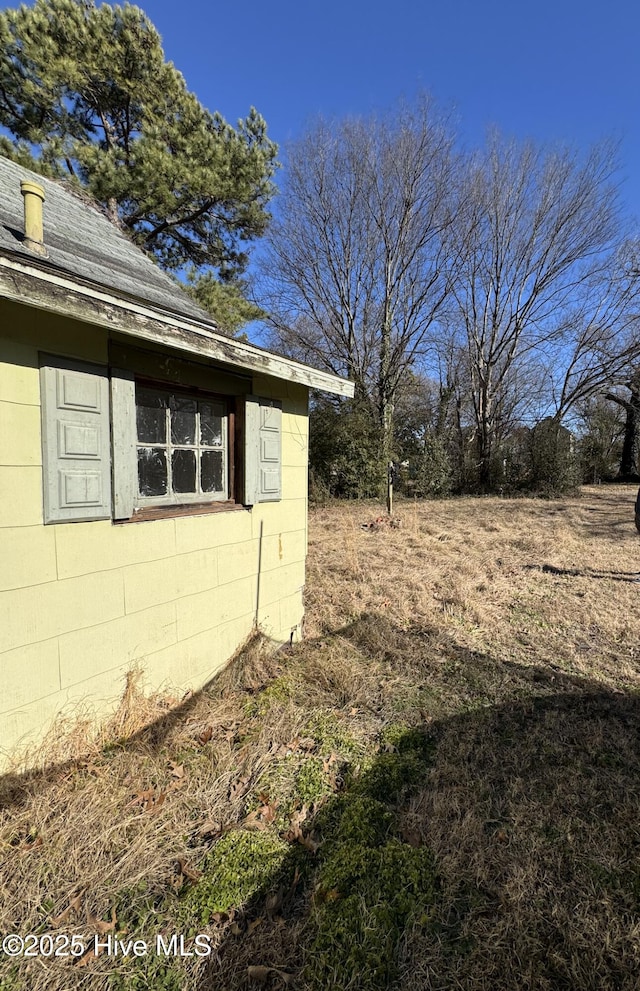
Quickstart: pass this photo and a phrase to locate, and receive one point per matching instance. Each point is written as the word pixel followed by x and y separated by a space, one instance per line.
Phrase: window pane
pixel 151 417
pixel 183 421
pixel 183 468
pixel 211 424
pixel 211 471
pixel 152 471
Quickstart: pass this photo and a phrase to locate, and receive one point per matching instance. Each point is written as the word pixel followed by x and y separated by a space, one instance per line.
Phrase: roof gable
pixel 82 242
pixel 93 273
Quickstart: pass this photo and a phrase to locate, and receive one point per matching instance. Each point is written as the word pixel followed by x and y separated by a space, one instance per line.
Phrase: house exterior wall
pixel 81 603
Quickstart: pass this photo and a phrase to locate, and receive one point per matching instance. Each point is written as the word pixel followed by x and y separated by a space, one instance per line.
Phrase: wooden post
pixel 390 488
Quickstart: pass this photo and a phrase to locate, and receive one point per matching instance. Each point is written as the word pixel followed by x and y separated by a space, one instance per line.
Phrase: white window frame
pixel 172 497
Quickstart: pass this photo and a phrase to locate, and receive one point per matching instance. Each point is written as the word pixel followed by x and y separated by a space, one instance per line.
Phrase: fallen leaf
pixel 142 797
pixel 189 872
pixel 309 842
pixel 261 817
pixel 211 828
pixel 259 974
pixel 100 925
pixel 177 770
pixel 73 906
pixel 253 821
pixel 329 762
pixel 151 800
pixel 296 835
pixel 268 812
pixel 299 817
pixel 205 736
pixel 238 788
pixel 92 953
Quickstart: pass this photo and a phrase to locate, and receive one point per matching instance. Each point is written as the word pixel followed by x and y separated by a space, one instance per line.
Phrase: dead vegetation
pixel 440 788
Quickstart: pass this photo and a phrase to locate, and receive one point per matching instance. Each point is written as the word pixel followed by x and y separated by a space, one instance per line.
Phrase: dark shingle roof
pixel 82 242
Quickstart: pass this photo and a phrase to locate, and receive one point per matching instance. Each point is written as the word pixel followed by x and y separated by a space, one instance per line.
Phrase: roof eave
pixel 29 284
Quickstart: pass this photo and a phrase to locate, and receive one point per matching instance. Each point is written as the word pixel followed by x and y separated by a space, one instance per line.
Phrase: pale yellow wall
pixel 80 603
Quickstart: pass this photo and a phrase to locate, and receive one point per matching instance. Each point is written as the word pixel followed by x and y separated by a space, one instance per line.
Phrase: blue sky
pixel 557 71
pixel 562 71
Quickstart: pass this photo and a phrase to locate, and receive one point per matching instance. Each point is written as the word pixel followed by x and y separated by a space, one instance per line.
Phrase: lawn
pixel 438 788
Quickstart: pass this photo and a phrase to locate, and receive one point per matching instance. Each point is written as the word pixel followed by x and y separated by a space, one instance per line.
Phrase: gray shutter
pixel 263 450
pixel 76 459
pixel 123 434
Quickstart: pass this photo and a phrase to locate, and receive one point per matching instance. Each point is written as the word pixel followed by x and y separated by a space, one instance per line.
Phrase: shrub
pixel 555 466
pixel 344 450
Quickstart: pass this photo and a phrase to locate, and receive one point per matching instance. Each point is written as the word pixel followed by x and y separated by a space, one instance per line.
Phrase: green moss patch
pixel 367 898
pixel 332 736
pixel 242 865
pixel 150 973
pixel 278 692
pixel 370 886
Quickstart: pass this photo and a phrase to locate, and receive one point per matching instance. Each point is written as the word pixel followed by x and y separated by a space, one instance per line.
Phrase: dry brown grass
pixel 510 629
pixel 525 619
pixel 529 579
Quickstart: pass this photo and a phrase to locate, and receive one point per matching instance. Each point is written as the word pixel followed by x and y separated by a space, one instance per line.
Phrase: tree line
pixel 484 302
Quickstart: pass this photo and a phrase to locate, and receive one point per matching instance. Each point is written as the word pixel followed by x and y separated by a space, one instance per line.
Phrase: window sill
pixel 195 509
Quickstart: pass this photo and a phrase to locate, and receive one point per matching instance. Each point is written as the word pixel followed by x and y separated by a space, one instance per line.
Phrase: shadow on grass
pixel 496 848
pixel 606 519
pixel 153 737
pixel 616 576
pixel 335 910
pixel 500 850
pixel 492 842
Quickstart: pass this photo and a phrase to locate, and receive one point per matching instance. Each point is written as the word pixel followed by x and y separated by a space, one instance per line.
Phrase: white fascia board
pixel 58 293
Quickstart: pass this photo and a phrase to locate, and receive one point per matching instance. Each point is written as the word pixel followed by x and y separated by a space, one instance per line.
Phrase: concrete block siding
pixel 80 603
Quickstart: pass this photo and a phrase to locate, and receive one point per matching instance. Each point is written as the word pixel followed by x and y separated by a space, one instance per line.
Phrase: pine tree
pixel 86 95
pixel 226 300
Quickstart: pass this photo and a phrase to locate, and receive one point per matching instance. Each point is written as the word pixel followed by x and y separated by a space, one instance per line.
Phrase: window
pixel 182 447
pixel 115 447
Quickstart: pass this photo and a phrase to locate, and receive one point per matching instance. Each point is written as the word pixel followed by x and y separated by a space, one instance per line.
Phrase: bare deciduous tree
pixel 391 252
pixel 354 272
pixel 529 259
